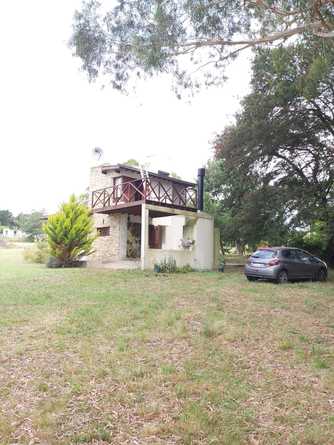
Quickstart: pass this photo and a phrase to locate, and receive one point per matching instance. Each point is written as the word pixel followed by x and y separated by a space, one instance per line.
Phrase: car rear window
pixel 264 254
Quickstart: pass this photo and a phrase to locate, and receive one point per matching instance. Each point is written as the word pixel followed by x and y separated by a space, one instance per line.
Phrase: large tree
pixel 247 208
pixel 284 137
pixel 6 218
pixel 144 37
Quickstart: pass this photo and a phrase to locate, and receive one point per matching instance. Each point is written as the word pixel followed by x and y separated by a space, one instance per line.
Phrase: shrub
pixel 314 240
pixel 38 253
pixel 185 269
pixel 168 265
pixel 70 234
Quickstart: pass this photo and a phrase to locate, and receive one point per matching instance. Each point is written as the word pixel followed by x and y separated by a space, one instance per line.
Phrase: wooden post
pixel 144 234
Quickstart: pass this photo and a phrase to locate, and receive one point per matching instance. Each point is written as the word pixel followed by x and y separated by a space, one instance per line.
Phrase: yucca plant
pixel 70 232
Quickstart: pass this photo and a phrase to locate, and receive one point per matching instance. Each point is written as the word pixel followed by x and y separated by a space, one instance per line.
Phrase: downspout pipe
pixel 200 189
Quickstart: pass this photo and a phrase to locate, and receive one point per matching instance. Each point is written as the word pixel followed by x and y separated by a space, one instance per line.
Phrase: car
pixel 282 264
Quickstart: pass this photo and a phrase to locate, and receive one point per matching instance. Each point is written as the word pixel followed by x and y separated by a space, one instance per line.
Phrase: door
pixel 306 265
pixel 155 237
pixel 290 262
pixel 134 240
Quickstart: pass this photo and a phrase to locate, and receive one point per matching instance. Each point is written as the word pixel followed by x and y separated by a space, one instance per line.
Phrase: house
pixel 143 217
pixel 11 233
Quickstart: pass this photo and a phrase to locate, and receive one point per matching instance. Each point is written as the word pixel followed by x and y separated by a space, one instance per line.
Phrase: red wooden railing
pixel 152 190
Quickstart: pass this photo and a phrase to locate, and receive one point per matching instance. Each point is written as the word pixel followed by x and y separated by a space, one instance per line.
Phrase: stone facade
pixel 113 247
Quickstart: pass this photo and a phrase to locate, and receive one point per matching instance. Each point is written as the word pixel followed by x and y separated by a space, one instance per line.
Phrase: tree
pixel 132 163
pixel 284 137
pixel 70 232
pixel 6 218
pixel 180 37
pixel 246 209
pixel 30 223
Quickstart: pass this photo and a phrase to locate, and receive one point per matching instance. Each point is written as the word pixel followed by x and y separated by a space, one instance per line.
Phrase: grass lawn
pixel 104 357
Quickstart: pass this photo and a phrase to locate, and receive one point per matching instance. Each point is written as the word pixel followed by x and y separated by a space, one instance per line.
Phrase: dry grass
pixel 99 357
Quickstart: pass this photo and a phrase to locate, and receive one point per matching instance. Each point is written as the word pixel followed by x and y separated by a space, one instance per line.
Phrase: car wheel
pixel 282 277
pixel 251 278
pixel 322 275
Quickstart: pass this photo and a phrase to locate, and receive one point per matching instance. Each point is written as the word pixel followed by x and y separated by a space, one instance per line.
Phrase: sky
pixel 51 117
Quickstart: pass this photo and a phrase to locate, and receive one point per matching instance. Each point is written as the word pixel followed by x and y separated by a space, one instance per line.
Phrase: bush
pixel 38 253
pixel 185 269
pixel 314 240
pixel 70 234
pixel 168 265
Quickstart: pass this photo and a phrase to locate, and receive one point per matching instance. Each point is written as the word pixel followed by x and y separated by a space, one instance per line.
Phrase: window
pixel 265 254
pixel 303 256
pixel 103 231
pixel 289 254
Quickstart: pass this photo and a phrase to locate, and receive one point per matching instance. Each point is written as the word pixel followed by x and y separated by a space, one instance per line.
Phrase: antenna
pixel 97 153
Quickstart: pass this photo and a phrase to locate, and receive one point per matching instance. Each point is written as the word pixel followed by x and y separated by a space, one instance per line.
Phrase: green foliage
pixel 168 265
pixel 274 168
pixel 70 232
pixel 31 224
pixel 6 218
pixel 132 162
pixel 314 240
pixel 142 38
pixel 246 209
pixel 37 253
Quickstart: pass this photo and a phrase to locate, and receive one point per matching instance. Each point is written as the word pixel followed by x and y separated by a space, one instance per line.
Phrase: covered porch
pixel 156 233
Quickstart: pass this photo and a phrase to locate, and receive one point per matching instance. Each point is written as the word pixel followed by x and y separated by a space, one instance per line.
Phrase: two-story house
pixel 146 217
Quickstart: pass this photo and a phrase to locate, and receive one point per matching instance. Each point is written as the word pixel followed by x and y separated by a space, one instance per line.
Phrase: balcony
pixel 128 196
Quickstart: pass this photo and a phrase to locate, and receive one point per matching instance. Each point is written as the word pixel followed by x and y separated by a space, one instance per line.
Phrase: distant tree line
pixel 29 223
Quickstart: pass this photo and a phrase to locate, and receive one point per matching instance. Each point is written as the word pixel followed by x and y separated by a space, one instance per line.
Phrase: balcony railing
pixel 155 191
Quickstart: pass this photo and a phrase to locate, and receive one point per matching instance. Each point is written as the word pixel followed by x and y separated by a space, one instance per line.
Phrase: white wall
pixel 204 244
pixel 173 232
pixel 153 256
pixel 200 256
pixel 12 233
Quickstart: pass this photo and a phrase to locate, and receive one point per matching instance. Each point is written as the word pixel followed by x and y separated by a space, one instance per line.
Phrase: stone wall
pixel 113 247
pixel 99 180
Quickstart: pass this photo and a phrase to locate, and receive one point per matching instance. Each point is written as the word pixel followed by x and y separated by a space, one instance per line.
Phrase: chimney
pixel 200 189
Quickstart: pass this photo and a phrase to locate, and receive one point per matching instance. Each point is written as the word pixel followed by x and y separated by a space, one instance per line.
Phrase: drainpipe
pixel 200 189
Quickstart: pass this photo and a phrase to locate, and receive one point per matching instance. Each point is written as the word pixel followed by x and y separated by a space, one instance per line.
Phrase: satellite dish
pixel 97 153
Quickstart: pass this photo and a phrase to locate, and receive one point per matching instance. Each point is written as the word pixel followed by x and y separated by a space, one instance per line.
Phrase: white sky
pixel 51 117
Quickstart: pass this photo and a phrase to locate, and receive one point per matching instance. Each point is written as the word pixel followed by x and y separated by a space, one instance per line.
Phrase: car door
pixel 290 262
pixel 305 266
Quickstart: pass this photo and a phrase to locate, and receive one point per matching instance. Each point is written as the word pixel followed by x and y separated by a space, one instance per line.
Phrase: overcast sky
pixel 51 117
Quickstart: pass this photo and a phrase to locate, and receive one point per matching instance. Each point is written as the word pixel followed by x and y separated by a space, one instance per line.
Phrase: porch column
pixel 144 233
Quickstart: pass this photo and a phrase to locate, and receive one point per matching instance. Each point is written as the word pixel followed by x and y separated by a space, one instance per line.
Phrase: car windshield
pixel 264 254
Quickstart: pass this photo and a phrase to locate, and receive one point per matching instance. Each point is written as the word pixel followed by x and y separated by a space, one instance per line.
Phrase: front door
pixel 134 240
